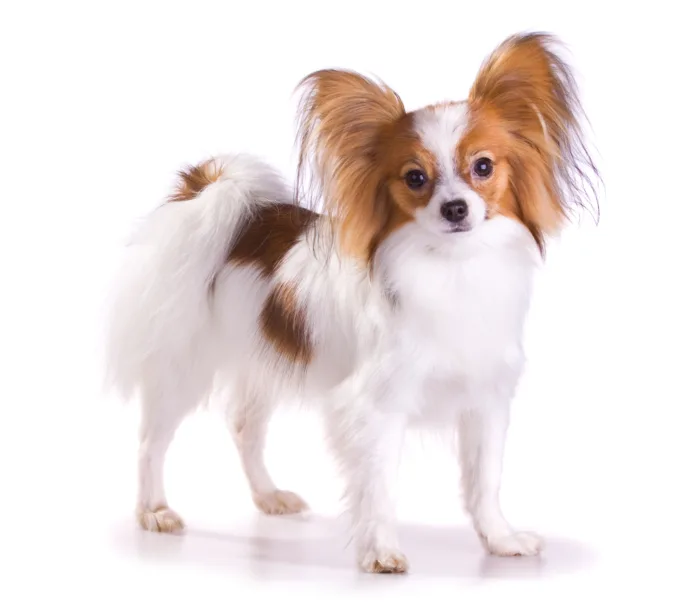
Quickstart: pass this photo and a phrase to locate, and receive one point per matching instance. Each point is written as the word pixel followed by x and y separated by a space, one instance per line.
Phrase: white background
pixel 103 101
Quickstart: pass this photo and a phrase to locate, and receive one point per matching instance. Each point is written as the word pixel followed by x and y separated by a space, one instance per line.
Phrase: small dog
pixel 401 301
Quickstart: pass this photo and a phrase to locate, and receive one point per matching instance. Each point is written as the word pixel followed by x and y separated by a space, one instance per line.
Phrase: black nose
pixel 454 211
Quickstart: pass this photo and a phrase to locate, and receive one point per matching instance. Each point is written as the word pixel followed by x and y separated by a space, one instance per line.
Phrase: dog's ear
pixel 342 120
pixel 526 86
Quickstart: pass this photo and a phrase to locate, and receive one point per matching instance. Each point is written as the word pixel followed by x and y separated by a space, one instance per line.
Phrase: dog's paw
pixel 280 502
pixel 384 561
pixel 515 544
pixel 162 519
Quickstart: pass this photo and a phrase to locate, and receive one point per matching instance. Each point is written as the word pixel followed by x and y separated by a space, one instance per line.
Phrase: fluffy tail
pixel 159 315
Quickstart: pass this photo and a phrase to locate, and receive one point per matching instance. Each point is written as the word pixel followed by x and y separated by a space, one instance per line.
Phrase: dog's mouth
pixel 459 228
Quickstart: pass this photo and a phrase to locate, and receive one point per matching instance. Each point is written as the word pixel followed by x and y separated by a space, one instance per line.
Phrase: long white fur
pixel 434 337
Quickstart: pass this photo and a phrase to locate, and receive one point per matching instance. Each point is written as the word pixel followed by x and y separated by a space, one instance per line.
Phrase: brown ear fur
pixel 343 118
pixel 525 85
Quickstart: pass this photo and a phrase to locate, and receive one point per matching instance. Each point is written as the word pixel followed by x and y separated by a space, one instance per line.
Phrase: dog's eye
pixel 415 179
pixel 483 167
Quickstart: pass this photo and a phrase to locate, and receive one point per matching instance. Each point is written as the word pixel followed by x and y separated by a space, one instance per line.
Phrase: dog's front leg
pixel 368 444
pixel 482 433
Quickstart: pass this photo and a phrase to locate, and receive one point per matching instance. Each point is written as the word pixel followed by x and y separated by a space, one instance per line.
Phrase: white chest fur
pixel 459 310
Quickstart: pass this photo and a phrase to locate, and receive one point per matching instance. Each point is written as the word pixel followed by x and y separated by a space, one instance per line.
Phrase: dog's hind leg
pixel 248 422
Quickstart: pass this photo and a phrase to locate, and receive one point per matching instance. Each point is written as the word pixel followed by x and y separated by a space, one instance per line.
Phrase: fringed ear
pixel 343 119
pixel 526 86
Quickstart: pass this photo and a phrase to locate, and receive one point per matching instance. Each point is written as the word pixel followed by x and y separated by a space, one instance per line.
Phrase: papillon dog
pixel 389 286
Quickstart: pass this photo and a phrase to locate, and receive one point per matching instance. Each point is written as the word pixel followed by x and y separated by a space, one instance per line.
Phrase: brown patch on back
pixel 194 179
pixel 284 324
pixel 270 234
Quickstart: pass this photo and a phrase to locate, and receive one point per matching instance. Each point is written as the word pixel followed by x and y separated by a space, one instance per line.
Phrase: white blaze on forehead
pixel 440 129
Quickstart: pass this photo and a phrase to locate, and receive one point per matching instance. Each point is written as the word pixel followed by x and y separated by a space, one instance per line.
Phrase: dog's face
pixel 446 170
pixel 513 148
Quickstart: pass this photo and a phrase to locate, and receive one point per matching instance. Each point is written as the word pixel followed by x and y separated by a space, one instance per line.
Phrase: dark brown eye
pixel 415 179
pixel 483 167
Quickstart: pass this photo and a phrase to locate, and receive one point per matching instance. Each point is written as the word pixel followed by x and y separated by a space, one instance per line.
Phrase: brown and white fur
pixel 401 303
